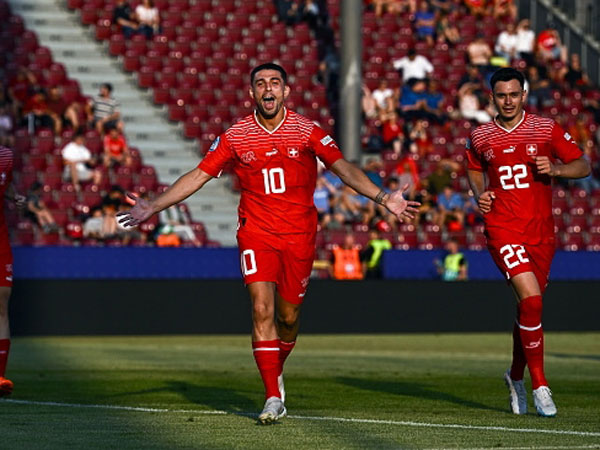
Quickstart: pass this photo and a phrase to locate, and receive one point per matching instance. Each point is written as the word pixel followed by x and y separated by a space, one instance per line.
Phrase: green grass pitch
pixel 413 391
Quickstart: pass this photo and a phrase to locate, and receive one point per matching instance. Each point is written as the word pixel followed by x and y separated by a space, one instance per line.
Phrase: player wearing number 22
pixel 511 163
pixel 274 154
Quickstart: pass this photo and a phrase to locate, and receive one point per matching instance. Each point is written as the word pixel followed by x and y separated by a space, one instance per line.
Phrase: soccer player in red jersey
pixel 7 190
pixel 274 154
pixel 511 163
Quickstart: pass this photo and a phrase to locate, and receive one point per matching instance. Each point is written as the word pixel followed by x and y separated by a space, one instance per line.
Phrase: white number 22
pixel 511 251
pixel 516 173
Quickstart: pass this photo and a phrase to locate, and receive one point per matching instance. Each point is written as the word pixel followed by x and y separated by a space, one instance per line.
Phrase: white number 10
pixel 273 184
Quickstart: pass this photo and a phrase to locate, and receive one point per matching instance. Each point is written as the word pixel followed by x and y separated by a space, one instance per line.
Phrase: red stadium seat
pixel 24 234
pixel 116 44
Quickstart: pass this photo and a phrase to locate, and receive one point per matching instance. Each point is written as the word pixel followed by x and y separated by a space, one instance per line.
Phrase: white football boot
pixel 273 411
pixel 517 394
pixel 542 399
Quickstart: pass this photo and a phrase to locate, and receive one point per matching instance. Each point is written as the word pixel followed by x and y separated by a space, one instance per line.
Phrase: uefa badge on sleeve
pixel 531 150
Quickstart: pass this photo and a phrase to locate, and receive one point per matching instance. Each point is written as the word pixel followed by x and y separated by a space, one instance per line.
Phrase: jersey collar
pixel 513 128
pixel 285 111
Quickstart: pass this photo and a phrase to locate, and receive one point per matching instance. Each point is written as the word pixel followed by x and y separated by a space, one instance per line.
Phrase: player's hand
pixel 485 201
pixel 141 211
pixel 20 201
pixel 545 166
pixel 403 209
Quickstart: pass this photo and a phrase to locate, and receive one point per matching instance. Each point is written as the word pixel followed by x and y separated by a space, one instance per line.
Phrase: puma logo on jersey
pixel 510 149
pixel 271 153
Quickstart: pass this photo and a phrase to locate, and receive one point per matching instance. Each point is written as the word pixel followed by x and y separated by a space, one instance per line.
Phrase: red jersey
pixel 6 166
pixel 116 147
pixel 523 204
pixel 277 171
pixel 547 39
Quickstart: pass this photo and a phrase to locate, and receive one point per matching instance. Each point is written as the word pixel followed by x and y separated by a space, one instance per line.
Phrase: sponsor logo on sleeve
pixel 468 144
pixel 215 144
pixel 531 149
pixel 326 140
pixel 569 138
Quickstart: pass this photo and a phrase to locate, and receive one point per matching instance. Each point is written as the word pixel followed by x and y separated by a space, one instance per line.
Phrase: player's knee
pixel 530 311
pixel 288 318
pixel 262 311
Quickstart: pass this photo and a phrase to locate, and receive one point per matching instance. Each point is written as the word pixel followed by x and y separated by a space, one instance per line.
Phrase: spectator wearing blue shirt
pixel 451 206
pixel 425 23
pixel 324 192
pixel 416 102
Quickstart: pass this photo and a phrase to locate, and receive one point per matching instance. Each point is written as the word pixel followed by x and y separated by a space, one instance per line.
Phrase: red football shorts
pixel 283 259
pixel 514 258
pixel 6 267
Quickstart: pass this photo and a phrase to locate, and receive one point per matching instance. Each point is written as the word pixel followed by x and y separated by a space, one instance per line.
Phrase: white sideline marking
pixel 554 447
pixel 319 418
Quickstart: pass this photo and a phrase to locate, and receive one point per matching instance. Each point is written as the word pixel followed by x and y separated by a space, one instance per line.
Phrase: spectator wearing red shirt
pixel 549 46
pixel 392 132
pixel 62 112
pixel 116 150
pixel 36 113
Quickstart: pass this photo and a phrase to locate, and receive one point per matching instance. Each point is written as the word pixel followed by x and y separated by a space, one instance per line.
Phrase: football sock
pixel 266 355
pixel 532 338
pixel 285 348
pixel 4 348
pixel 517 369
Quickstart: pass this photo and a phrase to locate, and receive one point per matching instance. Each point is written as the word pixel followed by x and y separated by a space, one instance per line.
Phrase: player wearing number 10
pixel 274 154
pixel 511 163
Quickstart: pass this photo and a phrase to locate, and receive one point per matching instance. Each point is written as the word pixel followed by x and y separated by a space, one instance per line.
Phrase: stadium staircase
pixel 160 141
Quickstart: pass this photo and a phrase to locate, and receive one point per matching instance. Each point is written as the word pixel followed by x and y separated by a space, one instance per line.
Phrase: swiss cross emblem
pixel 293 152
pixel 531 149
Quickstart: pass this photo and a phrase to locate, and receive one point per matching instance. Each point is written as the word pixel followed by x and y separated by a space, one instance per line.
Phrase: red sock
pixel 285 348
pixel 266 355
pixel 532 338
pixel 4 348
pixel 517 369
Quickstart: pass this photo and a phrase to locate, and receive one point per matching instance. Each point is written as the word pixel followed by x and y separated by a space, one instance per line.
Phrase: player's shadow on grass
pixel 212 397
pixel 421 391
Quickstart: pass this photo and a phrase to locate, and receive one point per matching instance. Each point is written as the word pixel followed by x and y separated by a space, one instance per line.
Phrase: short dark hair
pixel 107 86
pixel 268 66
pixel 507 74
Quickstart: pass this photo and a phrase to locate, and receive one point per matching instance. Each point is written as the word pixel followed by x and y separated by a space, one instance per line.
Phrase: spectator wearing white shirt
pixel 506 44
pixel 413 66
pixel 77 159
pixel 148 18
pixel 383 96
pixel 525 41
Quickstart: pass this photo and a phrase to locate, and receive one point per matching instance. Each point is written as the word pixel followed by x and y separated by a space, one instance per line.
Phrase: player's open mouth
pixel 269 102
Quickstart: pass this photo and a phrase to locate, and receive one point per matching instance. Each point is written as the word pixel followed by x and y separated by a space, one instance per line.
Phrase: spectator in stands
pixel 36 114
pixel 539 89
pixel 549 47
pixel 346 260
pixel 442 7
pixel 351 207
pixel 479 53
pixel 473 76
pixel 419 141
pixel 433 102
pixel 407 172
pixel 116 151
pixel 6 127
pixel 288 11
pixel 425 23
pixel 79 163
pixel 591 182
pixel 573 74
pixel 393 6
pixel 454 267
pixel 63 113
pixel 125 18
pixel 392 132
pixel 443 175
pixel 413 66
pixel 384 97
pixel 469 105
pixel 148 18
pixel 312 14
pixel 103 110
pixel 372 254
pixel 179 224
pixel 372 169
pixel 92 227
pixel 38 210
pixel 504 10
pixel 477 7
pixel 109 222
pixel 368 103
pixel 21 87
pixel 329 74
pixel 507 42
pixel 446 31
pixel 525 41
pixel 324 193
pixel 413 102
pixel 451 209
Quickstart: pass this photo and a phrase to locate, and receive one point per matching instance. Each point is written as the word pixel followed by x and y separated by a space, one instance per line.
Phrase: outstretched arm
pixel 356 179
pixel 185 186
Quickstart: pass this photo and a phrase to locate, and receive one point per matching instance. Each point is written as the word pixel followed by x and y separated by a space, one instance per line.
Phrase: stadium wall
pixel 83 307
